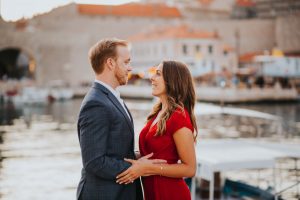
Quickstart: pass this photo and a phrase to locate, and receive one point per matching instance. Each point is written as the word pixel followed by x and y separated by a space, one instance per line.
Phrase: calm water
pixel 39 150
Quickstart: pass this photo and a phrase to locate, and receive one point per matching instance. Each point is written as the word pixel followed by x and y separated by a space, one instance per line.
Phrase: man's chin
pixel 123 82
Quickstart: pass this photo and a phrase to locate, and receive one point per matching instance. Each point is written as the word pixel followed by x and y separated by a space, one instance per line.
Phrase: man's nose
pixel 129 68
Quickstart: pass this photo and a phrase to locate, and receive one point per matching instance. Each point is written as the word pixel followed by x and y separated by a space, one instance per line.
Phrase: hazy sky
pixel 16 9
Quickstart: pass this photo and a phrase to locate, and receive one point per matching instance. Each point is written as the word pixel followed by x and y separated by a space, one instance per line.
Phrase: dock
pixel 219 95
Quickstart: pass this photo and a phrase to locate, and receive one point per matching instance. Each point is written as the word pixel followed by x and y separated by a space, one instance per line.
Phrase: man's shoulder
pixel 94 97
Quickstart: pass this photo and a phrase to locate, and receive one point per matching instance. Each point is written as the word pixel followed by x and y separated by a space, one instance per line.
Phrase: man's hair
pixel 102 50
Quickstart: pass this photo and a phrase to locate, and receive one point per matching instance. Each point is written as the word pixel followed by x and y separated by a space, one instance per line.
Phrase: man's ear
pixel 111 63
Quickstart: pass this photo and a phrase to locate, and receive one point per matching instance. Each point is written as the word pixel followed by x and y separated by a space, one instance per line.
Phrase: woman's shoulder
pixel 180 118
pixel 180 111
pixel 180 114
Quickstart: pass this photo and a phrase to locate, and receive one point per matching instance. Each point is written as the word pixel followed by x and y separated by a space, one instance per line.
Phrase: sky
pixel 12 10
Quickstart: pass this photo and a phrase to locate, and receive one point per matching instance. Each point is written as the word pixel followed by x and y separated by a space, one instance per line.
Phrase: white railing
pixel 277 194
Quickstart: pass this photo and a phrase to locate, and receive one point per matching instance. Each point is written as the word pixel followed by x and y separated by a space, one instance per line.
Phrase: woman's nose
pixel 152 77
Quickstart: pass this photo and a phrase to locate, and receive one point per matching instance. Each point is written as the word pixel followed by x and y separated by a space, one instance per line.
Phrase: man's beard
pixel 122 79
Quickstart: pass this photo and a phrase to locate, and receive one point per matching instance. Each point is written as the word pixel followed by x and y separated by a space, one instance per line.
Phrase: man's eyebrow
pixel 128 60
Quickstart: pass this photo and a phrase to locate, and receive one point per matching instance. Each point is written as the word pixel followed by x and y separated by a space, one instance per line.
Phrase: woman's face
pixel 158 83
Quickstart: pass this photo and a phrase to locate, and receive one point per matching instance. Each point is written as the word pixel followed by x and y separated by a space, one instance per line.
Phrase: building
pixel 56 43
pixel 243 9
pixel 274 66
pixel 276 8
pixel 204 52
pixel 201 9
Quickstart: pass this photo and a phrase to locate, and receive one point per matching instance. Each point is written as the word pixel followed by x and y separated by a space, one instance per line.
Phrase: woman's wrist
pixel 161 170
pixel 150 168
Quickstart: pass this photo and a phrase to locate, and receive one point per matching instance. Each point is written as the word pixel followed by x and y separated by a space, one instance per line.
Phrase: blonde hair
pixel 102 50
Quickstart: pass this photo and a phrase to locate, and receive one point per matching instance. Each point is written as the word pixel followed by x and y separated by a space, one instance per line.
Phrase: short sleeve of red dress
pixel 178 120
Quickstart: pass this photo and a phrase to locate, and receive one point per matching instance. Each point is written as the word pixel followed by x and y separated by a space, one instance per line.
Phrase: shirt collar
pixel 115 92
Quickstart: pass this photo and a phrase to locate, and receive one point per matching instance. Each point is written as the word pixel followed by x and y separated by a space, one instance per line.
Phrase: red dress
pixel 163 147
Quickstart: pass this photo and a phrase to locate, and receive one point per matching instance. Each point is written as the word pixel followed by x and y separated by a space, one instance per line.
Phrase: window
pixel 198 48
pixel 184 49
pixel 210 49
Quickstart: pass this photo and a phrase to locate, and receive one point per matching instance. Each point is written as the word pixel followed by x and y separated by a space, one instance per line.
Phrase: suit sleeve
pixel 94 130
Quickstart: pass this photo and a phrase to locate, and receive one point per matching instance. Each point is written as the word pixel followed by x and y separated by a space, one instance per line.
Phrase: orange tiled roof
pixel 245 3
pixel 182 31
pixel 248 57
pixel 130 9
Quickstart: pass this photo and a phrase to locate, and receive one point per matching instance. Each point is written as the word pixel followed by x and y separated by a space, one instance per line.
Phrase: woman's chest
pixel 158 143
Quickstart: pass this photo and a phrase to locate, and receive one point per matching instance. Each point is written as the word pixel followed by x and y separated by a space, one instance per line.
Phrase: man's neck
pixel 107 80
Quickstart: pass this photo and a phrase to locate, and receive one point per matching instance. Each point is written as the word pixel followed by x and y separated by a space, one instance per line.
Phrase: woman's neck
pixel 164 103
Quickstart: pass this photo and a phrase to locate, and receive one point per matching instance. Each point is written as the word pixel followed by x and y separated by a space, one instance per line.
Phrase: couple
pixel 111 170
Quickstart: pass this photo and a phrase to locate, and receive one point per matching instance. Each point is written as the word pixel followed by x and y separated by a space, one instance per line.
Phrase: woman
pixel 168 135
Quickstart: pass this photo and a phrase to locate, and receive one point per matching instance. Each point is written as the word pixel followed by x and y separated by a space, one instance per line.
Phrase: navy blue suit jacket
pixel 106 137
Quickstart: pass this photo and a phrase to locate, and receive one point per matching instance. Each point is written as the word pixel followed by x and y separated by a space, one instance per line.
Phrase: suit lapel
pixel 132 124
pixel 116 102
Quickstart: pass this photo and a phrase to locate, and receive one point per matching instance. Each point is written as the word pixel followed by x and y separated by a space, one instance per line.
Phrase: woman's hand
pixel 139 168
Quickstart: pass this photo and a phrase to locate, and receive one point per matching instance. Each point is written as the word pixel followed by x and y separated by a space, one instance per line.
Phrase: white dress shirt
pixel 116 94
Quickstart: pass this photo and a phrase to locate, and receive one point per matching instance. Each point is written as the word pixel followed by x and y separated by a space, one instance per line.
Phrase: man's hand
pixel 139 168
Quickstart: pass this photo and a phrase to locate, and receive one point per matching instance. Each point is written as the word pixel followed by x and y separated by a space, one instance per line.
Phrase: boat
pixel 59 90
pixel 31 95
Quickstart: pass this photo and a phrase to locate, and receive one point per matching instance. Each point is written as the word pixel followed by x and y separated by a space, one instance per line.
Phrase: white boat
pixel 61 93
pixel 31 95
pixel 58 90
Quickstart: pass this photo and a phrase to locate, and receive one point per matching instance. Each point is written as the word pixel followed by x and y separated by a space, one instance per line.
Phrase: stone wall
pixel 288 33
pixel 255 35
pixel 59 40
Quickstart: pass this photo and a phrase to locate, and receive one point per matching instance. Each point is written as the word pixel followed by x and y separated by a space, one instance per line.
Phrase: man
pixel 105 127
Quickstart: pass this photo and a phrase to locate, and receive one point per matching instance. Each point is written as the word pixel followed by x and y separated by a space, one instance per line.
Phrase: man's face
pixel 123 65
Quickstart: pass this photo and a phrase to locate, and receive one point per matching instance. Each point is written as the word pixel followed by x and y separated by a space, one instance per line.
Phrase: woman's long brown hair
pixel 180 94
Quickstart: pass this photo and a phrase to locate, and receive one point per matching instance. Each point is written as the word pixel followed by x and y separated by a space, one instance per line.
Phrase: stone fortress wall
pixel 59 41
